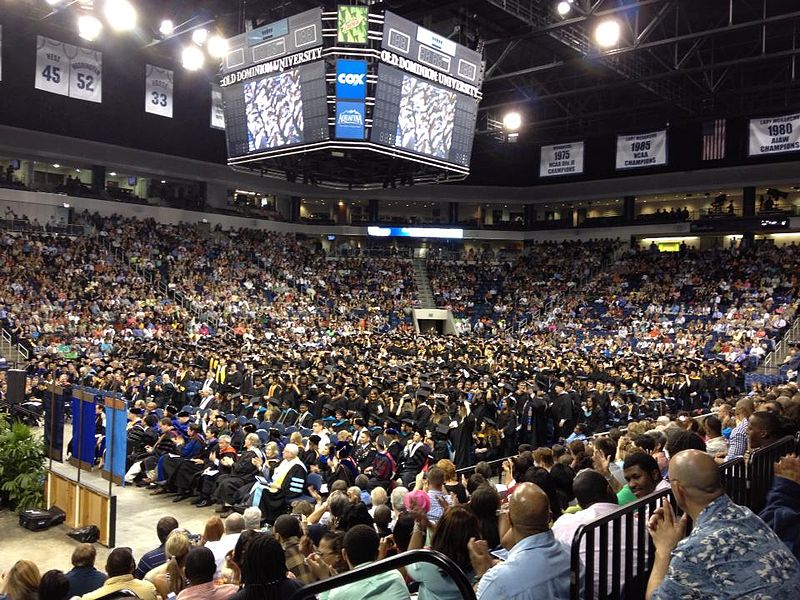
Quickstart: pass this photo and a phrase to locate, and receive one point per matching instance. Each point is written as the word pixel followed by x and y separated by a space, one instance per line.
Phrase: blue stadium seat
pixel 265 425
pixel 242 420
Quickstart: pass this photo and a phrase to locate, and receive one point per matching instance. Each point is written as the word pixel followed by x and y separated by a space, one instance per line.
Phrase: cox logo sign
pixel 351 79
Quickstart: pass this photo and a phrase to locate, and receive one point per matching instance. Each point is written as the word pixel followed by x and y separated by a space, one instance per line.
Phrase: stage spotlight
pixel 217 46
pixel 512 121
pixel 89 27
pixel 192 58
pixel 120 14
pixel 563 8
pixel 113 174
pixel 167 27
pixel 199 36
pixel 56 166
pixel 54 2
pixel 607 33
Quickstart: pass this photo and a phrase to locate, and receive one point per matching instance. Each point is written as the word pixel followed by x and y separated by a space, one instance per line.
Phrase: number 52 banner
pixel 774 135
pixel 642 150
pixel 68 70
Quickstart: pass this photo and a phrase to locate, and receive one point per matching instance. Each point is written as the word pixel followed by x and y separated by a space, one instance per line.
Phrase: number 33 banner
pixel 69 70
pixel 158 91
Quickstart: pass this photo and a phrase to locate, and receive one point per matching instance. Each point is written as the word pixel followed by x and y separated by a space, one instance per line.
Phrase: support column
pixel 529 212
pixel 749 202
pixel 452 213
pixel 374 213
pixel 629 208
pixel 98 179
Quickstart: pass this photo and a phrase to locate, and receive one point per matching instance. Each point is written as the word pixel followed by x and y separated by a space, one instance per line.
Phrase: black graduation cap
pixel 170 409
pixel 443 428
pixel 489 421
pixel 184 413
pixel 136 411
pixel 408 422
pixel 223 417
pixel 423 392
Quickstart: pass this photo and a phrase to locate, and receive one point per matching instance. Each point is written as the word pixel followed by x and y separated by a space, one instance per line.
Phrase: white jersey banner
pixel 561 159
pixel 217 108
pixel 774 135
pixel 52 65
pixel 158 91
pixel 642 150
pixel 68 70
pixel 86 75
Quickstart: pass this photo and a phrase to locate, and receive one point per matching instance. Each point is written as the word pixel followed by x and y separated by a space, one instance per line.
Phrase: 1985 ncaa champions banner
pixel 775 135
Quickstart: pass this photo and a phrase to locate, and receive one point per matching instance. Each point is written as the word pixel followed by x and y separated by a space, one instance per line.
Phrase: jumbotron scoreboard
pixel 350 99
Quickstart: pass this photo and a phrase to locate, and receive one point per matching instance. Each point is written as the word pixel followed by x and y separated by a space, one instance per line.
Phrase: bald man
pixel 731 553
pixel 537 567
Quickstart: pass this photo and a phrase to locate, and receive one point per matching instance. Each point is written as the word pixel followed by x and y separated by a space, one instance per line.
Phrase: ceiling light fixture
pixel 120 14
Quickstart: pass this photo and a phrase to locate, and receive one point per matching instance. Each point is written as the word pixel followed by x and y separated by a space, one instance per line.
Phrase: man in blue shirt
pixel 157 556
pixel 538 566
pixel 730 553
pixel 83 577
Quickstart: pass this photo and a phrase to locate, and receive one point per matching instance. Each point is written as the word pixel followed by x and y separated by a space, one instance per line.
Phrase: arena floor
pixel 137 513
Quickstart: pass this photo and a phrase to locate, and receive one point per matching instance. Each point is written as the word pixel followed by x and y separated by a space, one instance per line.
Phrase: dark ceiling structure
pixel 676 60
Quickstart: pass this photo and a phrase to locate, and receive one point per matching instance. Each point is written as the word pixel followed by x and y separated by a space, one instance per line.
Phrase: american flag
pixel 714 139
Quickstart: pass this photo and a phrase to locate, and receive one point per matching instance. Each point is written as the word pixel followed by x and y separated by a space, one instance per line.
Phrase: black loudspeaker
pixel 15 385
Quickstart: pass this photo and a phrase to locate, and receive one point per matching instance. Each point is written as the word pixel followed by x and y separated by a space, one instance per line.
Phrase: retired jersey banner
pixel 68 70
pixel 561 159
pixel 52 65
pixel 158 91
pixel 217 108
pixel 774 135
pixel 85 75
pixel 642 150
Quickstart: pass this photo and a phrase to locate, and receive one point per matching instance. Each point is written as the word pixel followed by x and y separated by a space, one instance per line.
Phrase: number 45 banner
pixel 158 91
pixel 69 70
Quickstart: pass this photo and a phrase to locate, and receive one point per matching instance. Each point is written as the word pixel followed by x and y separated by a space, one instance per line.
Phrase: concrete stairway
pixel 423 284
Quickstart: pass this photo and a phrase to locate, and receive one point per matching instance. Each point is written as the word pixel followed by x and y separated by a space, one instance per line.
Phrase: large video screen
pixel 277 110
pixel 425 120
pixel 274 108
pixel 422 117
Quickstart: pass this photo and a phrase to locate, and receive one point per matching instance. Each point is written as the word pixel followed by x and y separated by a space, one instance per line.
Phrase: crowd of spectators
pixel 264 375
pixel 493 530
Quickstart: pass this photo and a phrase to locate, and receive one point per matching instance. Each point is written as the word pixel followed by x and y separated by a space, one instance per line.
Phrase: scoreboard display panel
pixel 426 99
pixel 273 87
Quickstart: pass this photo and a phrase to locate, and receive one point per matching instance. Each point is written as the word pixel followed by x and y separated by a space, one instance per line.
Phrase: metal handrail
pixel 389 564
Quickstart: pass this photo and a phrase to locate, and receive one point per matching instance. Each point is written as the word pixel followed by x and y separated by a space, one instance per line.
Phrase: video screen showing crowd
pixel 274 110
pixel 426 118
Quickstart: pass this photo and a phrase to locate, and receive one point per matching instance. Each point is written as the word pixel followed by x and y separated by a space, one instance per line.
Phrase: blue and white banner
pixel 561 159
pixel 642 150
pixel 158 91
pixel 217 108
pixel 349 120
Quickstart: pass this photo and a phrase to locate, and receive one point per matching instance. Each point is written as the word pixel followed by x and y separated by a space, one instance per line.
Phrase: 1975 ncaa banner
pixel 561 159
pixel 774 135
pixel 642 150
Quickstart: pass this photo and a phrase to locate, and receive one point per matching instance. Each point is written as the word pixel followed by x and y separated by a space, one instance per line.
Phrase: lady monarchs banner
pixel 68 70
pixel 774 135
pixel 642 150
pixel 158 91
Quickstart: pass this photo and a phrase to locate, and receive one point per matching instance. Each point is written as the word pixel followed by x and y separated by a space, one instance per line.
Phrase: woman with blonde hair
pixel 21 582
pixel 172 579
